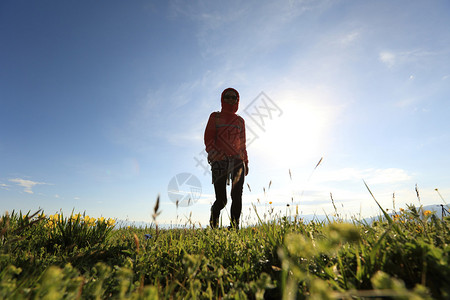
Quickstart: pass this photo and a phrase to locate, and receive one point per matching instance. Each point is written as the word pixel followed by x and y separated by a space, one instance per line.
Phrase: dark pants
pixel 221 171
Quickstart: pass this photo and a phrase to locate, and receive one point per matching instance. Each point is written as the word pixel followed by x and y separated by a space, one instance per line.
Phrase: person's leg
pixel 236 193
pixel 219 170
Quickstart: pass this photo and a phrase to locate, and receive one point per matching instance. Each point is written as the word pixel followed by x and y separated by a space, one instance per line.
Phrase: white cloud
pixel 371 176
pixel 257 27
pixel 406 102
pixel 4 186
pixel 420 56
pixel 390 175
pixel 349 38
pixel 27 184
pixel 388 58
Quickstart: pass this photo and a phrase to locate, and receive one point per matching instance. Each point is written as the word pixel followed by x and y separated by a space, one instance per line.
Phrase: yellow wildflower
pixel 427 213
pixel 270 202
pixel 100 220
pixel 110 222
pixel 49 224
pixel 75 218
pixel 89 221
pixel 54 218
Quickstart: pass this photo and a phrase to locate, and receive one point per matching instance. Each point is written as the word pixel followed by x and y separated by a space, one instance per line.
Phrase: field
pixel 405 256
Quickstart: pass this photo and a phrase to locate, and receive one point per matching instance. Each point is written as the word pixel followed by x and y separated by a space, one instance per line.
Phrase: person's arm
pixel 210 134
pixel 244 147
pixel 210 139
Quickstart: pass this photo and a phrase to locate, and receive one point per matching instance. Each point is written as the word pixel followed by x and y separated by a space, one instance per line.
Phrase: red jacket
pixel 225 132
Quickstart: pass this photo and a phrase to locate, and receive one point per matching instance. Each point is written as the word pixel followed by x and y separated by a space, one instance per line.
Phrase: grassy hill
pixel 404 256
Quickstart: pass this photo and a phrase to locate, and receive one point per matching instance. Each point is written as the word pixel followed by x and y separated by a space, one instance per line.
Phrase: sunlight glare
pixel 297 135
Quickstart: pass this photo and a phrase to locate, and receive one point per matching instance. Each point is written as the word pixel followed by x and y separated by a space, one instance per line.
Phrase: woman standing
pixel 227 155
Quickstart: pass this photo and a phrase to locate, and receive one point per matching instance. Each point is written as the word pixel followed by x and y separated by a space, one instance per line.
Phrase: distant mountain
pixel 144 224
pixel 438 209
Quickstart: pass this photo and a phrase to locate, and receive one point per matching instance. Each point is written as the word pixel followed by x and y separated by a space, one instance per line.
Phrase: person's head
pixel 230 100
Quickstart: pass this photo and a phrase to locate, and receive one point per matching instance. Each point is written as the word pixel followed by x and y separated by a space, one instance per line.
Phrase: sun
pixel 295 136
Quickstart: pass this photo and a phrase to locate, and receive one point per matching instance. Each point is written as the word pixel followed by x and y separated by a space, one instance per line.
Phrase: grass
pixel 405 256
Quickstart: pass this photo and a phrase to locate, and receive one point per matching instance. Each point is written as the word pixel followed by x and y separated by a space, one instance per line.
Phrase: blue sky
pixel 103 103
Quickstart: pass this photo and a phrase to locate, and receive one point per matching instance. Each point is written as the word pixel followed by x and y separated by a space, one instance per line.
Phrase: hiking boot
pixel 213 222
pixel 234 225
pixel 214 219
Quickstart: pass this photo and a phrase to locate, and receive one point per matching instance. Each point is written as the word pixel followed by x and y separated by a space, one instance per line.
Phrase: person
pixel 227 155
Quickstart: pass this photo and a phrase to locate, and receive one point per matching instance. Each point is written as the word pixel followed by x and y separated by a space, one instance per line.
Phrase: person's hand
pixel 213 155
pixel 246 169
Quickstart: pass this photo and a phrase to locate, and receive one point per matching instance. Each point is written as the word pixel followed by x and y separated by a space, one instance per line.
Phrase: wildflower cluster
pixel 404 216
pixel 414 220
pixel 109 222
pixel 78 230
pixel 54 220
